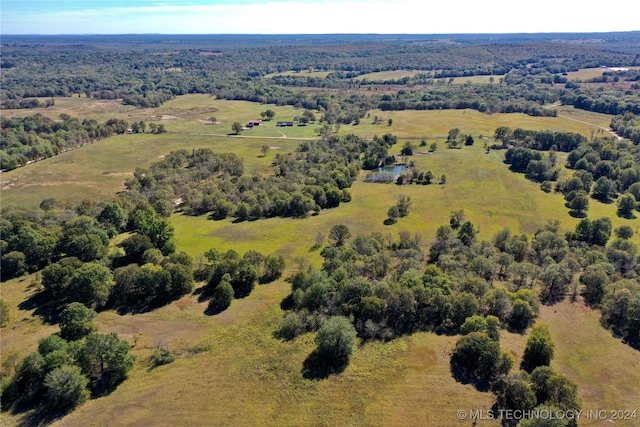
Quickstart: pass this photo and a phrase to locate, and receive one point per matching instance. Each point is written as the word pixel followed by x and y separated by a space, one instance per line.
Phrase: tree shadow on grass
pixel 42 306
pixel 319 367
pixel 577 214
pixel 215 307
pixel 464 377
pixel 36 416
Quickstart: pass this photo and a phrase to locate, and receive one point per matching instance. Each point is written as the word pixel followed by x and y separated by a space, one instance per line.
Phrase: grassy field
pixel 589 73
pixel 100 169
pixel 304 73
pixel 232 371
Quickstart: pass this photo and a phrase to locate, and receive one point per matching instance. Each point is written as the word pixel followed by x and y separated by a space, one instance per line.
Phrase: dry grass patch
pixel 606 370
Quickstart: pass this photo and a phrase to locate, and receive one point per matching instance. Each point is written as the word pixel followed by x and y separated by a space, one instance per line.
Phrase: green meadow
pixel 231 370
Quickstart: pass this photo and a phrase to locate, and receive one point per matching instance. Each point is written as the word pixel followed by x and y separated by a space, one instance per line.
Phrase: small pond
pixel 395 169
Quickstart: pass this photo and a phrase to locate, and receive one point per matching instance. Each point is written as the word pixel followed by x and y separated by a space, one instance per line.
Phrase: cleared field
pixel 591 357
pixel 399 74
pixel 389 75
pixel 232 371
pixel 304 73
pixel 590 73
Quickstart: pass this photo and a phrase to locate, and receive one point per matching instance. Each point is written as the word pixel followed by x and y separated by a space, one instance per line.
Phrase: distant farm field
pixel 302 73
pixel 389 75
pixel 590 73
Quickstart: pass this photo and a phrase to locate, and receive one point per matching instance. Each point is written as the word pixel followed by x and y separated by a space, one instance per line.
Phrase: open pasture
pixel 100 169
pixel 590 73
pixel 231 369
pixel 302 73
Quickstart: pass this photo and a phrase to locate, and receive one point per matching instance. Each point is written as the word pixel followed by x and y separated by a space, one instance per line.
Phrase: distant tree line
pixel 36 137
pixel 14 104
pixel 147 78
pixel 604 168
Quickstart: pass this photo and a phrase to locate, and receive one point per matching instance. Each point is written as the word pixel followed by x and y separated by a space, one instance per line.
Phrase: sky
pixel 313 16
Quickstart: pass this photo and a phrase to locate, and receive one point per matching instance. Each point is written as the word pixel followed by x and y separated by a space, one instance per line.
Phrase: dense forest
pixel 148 70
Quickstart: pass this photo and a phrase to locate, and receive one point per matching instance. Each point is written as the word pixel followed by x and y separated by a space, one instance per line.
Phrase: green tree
pixel 469 140
pixel 407 149
pixel 264 149
pixel 335 340
pixel 237 128
pixel 147 222
pixel 554 389
pixel 245 279
pixel 13 264
pixel 105 360
pixel 113 217
pixel 76 321
pixel 222 296
pixel 467 233
pixel 91 285
pixel 521 315
pixel 473 324
pixel 404 203
pixel 29 376
pixel 268 114
pixel 476 358
pixel 272 269
pixel 555 278
pixel 539 349
pixel 66 388
pixel 52 343
pixel 517 395
pixel 453 134
pixel 579 205
pixel 626 205
pixel 594 278
pixel 624 232
pixel 339 234
pixel 603 189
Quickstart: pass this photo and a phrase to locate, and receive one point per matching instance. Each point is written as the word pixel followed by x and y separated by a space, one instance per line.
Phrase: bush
pixel 336 339
pixel 76 321
pixel 162 356
pixel 66 388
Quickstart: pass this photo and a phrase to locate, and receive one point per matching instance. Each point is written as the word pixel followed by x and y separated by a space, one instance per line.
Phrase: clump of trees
pixel 315 177
pixel 389 287
pixel 478 359
pixel 71 249
pixel 399 210
pixel 64 372
pixel 229 275
pixel 604 168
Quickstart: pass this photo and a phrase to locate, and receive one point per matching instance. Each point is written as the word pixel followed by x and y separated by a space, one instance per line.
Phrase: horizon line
pixel 318 34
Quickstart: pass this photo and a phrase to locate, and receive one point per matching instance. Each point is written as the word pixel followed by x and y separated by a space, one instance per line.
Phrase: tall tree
pixel 76 321
pixel 105 360
pixel 237 128
pixel 539 349
pixel 339 234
